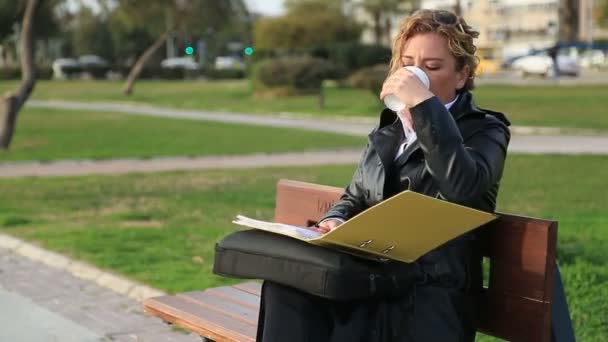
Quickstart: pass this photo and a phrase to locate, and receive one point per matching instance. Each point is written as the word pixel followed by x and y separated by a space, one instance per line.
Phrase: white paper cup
pixel 393 102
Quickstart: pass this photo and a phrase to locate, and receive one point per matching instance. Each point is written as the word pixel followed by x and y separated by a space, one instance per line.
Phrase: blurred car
pixel 64 67
pixel 594 59
pixel 229 62
pixel 92 61
pixel 540 64
pixel 185 63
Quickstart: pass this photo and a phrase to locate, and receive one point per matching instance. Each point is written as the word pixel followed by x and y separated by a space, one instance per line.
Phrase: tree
pixel 458 7
pixel 568 20
pixel 46 21
pixel 12 102
pixel 306 24
pixel 601 13
pixel 162 17
pixel 91 34
pixel 382 12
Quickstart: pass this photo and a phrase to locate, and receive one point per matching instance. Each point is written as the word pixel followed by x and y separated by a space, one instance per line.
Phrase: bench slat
pixel 300 203
pixel 200 319
pixel 221 305
pixel 522 256
pixel 519 319
pixel 233 294
pixel 250 287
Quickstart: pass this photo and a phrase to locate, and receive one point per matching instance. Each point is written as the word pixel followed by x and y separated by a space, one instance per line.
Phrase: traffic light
pixel 249 51
pixel 189 50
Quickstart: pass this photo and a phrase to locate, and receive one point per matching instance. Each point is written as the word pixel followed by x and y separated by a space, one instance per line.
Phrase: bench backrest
pixel 516 305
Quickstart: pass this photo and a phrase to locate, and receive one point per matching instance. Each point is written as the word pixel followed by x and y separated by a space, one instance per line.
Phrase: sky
pixel 266 7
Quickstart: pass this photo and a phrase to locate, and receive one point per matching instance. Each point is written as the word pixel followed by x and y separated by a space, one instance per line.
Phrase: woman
pixel 441 145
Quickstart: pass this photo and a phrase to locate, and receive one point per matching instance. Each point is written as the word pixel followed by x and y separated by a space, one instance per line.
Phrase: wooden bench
pixel 516 304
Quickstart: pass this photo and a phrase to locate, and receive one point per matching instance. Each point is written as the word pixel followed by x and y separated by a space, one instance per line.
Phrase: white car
pixel 594 59
pixel 92 61
pixel 229 62
pixel 60 65
pixel 186 63
pixel 541 64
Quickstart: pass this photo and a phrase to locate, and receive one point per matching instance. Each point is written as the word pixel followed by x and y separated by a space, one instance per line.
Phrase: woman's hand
pixel 328 225
pixel 407 87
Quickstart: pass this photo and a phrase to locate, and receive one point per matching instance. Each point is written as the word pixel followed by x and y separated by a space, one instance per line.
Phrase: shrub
pixel 44 73
pixel 96 72
pixel 370 78
pixel 222 74
pixel 14 73
pixel 157 72
pixel 299 75
pixel 353 56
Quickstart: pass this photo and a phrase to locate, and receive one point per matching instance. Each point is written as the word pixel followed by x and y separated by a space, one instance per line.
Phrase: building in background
pixel 508 27
pixel 588 17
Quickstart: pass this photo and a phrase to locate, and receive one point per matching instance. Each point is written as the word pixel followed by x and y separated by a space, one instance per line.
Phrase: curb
pixel 79 269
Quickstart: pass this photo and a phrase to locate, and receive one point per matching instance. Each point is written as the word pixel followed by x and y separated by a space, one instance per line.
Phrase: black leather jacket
pixel 458 156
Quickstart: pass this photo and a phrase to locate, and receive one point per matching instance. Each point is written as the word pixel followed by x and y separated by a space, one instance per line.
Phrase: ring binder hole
pixel 365 243
pixel 388 249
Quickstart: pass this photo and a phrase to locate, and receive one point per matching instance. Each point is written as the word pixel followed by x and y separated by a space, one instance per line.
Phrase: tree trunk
pixel 458 8
pixel 377 27
pixel 141 62
pixel 568 20
pixel 321 98
pixel 14 101
pixel 388 27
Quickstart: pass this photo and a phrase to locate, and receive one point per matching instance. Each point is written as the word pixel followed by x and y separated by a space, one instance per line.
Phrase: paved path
pixel 314 124
pixel 43 303
pixel 519 144
pixel 338 124
pixel 75 168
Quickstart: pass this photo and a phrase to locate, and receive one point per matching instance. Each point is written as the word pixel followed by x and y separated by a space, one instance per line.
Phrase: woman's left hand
pixel 407 87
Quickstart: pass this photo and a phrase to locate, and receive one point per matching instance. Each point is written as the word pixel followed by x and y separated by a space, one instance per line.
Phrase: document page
pixel 279 228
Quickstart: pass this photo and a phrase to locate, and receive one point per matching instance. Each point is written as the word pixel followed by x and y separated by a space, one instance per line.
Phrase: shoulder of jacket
pixel 486 118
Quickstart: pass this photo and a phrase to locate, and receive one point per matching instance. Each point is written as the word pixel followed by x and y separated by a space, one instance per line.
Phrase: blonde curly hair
pixel 458 33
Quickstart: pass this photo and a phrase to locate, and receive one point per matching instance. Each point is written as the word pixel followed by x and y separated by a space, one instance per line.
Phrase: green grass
pixel 44 134
pixel 559 106
pixel 160 228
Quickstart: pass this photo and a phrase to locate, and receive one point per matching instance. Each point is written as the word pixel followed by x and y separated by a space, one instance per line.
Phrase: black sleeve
pixel 464 169
pixel 352 201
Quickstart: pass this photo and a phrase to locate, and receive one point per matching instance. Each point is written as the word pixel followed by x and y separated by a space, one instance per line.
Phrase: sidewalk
pixel 339 124
pixel 519 144
pixel 39 302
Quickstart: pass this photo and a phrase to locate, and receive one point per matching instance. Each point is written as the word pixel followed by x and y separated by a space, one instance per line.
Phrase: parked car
pixel 92 61
pixel 541 64
pixel 594 59
pixel 185 63
pixel 64 68
pixel 229 62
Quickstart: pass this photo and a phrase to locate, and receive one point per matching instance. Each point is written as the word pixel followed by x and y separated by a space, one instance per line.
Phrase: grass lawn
pixel 559 106
pixel 161 228
pixel 46 134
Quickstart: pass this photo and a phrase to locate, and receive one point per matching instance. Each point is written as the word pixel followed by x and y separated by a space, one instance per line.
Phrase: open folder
pixel 403 228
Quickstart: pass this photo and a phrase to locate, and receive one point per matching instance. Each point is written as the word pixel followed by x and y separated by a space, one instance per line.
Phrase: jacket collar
pixel 462 107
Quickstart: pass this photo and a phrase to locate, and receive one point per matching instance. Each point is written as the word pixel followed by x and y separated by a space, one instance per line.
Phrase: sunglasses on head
pixel 442 17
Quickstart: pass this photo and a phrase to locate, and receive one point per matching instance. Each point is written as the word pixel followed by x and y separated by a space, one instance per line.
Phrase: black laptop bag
pixel 324 272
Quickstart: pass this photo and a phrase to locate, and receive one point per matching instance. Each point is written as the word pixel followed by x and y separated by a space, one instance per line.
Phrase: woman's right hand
pixel 328 225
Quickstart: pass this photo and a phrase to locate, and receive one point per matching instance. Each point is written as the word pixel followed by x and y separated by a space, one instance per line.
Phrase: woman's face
pixel 429 52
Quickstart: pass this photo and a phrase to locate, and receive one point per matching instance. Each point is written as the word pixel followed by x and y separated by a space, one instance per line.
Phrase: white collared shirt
pixel 410 134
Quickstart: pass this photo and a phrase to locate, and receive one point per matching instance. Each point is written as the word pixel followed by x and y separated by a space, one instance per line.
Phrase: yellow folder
pixel 403 228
